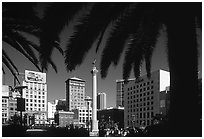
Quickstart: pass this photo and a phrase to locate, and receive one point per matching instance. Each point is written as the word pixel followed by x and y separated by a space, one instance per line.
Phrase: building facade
pixel 120 92
pixel 75 93
pixel 83 116
pixel 35 95
pixel 61 105
pixel 64 118
pixel 111 116
pixel 142 98
pixel 51 109
pixel 5 103
pixel 101 101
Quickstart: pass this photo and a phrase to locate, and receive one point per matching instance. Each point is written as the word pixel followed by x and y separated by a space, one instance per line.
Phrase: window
pixel 152 87
pixel 152 81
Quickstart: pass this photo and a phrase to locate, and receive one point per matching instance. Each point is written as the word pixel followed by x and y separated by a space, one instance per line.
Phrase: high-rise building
pixel 35 95
pixel 143 100
pixel 5 103
pixel 101 101
pixel 120 92
pixel 75 93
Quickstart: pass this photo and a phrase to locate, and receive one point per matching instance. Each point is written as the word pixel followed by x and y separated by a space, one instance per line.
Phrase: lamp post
pixel 21 101
pixel 88 99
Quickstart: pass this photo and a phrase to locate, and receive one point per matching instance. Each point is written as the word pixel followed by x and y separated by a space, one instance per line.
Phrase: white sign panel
pixel 33 76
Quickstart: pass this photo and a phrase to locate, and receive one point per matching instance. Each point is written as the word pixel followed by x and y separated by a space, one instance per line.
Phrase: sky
pixel 56 81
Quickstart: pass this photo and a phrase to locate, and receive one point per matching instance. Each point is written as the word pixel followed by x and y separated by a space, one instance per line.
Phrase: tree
pixel 18 19
pixel 19 23
pixel 139 25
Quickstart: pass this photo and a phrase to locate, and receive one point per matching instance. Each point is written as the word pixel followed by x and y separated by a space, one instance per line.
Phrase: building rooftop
pixel 75 78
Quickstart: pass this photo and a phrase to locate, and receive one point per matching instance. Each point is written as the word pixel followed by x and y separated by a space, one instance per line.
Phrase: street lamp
pixel 88 99
pixel 21 101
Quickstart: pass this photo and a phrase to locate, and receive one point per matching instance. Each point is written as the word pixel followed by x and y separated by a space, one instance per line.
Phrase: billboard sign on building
pixel 33 76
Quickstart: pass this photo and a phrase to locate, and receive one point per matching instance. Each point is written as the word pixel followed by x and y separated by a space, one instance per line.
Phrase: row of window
pixel 84 110
pixel 74 104
pixel 77 87
pixel 140 100
pixel 39 93
pixel 31 96
pixel 140 85
pixel 4 100
pixel 141 109
pixel 34 100
pixel 84 118
pixel 39 105
pixel 4 114
pixel 140 90
pixel 35 109
pixel 83 114
pixel 141 115
pixel 4 105
pixel 13 109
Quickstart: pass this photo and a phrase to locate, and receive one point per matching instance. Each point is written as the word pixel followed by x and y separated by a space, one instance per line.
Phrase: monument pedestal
pixel 95 131
pixel 93 134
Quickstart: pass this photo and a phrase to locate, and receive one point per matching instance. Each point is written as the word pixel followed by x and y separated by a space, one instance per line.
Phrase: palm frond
pixel 15 45
pixel 22 42
pixel 88 30
pixel 126 25
pixel 9 66
pixel 21 11
pixel 7 58
pixel 55 18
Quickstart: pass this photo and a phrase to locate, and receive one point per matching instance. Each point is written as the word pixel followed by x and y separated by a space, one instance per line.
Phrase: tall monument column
pixel 95 130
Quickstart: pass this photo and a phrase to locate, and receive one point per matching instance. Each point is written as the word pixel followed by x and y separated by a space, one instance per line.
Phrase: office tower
pixel 120 92
pixel 101 101
pixel 75 93
pixel 5 103
pixel 35 95
pixel 142 99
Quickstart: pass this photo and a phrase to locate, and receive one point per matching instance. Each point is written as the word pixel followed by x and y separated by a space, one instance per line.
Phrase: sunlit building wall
pixel 142 98
pixel 101 101
pixel 5 103
pixel 35 95
pixel 75 93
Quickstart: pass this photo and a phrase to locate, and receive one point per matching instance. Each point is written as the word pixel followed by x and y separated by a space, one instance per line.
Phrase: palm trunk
pixel 183 64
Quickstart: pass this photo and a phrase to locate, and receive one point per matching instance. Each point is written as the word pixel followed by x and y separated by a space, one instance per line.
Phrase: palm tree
pixel 139 25
pixel 19 18
pixel 19 21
